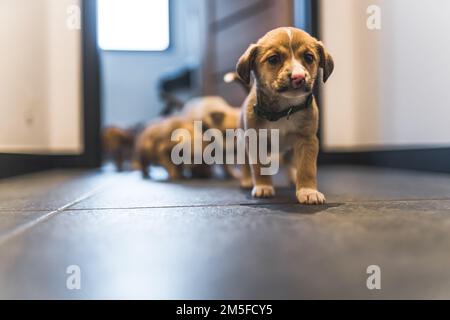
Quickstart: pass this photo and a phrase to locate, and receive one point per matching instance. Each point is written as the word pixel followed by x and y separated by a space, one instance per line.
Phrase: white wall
pixel 130 79
pixel 390 86
pixel 40 87
pixel 23 65
pixel 64 80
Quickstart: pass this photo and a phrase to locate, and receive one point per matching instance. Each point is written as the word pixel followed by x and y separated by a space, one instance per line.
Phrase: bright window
pixel 133 25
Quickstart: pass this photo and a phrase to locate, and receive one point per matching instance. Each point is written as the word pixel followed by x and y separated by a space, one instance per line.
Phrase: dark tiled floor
pixel 208 239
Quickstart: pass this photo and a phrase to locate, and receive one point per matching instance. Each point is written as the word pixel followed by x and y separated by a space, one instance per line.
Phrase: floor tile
pixel 48 190
pixel 242 251
pixel 11 220
pixel 353 183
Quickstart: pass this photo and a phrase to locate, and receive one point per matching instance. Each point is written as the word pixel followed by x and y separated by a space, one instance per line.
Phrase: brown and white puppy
pixel 285 64
pixel 215 113
pixel 154 148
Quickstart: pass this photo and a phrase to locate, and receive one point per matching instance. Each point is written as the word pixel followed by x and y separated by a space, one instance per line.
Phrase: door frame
pixel 15 164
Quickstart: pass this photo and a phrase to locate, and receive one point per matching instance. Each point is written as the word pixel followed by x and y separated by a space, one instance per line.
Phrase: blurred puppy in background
pixel 118 145
pixel 154 145
pixel 215 113
pixel 154 148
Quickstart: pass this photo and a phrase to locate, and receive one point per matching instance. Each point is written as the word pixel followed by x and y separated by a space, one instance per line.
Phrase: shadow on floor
pixel 295 208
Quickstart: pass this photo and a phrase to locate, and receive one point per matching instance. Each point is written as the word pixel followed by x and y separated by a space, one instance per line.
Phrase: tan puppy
pixel 154 147
pixel 285 64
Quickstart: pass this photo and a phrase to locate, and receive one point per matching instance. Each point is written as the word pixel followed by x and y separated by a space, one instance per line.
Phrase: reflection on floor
pixel 208 239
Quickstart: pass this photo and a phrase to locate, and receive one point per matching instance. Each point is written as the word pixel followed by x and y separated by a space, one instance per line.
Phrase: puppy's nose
pixel 298 78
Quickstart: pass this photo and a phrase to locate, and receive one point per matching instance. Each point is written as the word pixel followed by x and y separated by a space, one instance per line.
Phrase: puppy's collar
pixel 275 116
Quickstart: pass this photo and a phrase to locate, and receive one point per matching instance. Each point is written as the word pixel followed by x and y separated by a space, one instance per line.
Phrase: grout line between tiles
pixel 185 206
pixel 27 226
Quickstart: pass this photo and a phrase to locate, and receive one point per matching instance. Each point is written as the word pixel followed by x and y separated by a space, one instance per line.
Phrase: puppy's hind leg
pixel 143 165
pixel 246 176
pixel 292 174
pixel 142 156
pixel 231 172
pixel 291 170
pixel 119 159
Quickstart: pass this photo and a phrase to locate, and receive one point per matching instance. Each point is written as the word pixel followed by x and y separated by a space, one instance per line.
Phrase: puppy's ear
pixel 326 61
pixel 246 64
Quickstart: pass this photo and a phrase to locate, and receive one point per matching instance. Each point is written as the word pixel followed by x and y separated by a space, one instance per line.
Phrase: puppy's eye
pixel 274 60
pixel 309 57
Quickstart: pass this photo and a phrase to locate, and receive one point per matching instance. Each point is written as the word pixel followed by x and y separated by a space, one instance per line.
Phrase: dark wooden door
pixel 233 26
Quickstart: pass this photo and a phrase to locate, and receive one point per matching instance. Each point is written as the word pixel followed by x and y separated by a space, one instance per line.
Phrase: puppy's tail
pixel 231 77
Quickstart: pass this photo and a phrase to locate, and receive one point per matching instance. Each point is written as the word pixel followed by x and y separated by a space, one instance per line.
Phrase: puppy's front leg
pixel 262 184
pixel 306 151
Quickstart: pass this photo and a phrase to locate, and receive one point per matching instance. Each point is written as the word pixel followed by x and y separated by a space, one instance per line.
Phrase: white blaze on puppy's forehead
pixel 289 32
pixel 296 65
pixel 291 36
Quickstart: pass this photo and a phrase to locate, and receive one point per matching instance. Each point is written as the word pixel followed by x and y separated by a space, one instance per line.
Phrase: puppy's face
pixel 285 63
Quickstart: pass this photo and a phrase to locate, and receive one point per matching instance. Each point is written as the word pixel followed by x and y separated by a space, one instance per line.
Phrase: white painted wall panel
pixel 40 78
pixel 390 87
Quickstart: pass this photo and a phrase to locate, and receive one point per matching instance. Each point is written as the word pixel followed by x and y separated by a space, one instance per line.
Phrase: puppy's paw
pixel 310 196
pixel 263 191
pixel 246 183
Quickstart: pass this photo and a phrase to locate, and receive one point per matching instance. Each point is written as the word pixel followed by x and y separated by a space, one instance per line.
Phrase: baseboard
pixel 435 160
pixel 16 164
